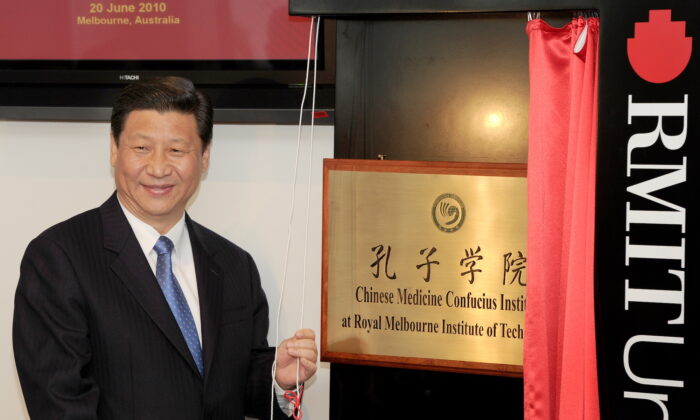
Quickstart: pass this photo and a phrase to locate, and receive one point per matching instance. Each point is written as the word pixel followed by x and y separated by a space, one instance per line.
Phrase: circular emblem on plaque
pixel 448 212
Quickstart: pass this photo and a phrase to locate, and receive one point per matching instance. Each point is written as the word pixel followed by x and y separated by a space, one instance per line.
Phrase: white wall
pixel 50 171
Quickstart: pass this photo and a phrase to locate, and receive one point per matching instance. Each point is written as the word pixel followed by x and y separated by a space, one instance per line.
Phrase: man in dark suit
pixel 133 310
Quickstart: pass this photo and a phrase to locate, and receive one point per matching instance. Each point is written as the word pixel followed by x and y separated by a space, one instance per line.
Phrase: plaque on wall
pixel 424 265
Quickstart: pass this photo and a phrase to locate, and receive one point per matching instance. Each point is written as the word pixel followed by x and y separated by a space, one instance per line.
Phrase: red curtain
pixel 559 359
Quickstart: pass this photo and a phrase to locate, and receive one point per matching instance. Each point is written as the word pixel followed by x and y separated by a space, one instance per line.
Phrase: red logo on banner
pixel 659 51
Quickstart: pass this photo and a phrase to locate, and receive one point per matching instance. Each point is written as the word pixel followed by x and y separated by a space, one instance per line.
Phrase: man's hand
pixel 301 347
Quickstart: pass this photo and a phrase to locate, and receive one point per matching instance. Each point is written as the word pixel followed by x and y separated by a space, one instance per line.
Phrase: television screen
pixel 76 54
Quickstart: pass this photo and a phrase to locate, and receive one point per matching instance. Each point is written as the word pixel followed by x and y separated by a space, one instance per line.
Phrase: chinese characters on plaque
pixel 513 266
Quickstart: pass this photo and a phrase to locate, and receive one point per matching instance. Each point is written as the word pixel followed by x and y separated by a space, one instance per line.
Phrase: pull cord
pixel 294 397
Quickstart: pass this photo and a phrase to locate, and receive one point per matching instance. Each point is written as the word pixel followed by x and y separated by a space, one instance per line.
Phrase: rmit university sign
pixel 646 219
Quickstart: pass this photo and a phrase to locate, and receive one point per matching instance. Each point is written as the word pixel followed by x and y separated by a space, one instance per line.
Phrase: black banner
pixel 646 218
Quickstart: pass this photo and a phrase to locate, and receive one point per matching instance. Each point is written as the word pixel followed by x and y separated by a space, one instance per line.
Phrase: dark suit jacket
pixel 94 336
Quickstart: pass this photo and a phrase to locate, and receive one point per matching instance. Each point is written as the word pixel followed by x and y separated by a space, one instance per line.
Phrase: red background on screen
pixel 208 30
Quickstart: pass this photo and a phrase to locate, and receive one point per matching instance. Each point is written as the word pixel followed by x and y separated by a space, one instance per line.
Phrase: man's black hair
pixel 164 94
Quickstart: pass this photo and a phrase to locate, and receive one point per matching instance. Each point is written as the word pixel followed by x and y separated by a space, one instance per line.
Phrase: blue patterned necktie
pixel 176 299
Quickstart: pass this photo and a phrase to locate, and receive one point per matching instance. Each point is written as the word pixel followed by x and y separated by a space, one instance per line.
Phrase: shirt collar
pixel 147 235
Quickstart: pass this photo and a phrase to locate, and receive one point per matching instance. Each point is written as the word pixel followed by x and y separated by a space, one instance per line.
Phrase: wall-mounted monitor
pixel 68 59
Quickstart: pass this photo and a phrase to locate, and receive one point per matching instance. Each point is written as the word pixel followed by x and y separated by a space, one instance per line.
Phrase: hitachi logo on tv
pixel 647 213
pixel 129 77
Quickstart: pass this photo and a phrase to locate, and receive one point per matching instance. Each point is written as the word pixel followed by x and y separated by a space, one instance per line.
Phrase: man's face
pixel 158 165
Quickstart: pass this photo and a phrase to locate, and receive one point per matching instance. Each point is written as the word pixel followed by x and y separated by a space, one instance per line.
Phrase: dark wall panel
pixel 373 393
pixel 441 87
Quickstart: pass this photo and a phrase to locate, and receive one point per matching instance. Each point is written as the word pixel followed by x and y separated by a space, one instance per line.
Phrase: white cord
pixel 308 191
pixel 291 210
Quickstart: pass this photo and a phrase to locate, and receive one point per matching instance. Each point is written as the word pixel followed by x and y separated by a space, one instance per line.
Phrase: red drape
pixel 559 359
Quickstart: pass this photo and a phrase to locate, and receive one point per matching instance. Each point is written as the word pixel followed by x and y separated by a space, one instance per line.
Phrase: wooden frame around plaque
pixel 424 265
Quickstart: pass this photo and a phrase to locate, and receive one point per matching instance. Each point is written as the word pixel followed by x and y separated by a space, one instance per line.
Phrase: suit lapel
pixel 210 288
pixel 132 268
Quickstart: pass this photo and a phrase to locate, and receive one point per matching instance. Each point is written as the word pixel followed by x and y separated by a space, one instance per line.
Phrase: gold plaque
pixel 424 265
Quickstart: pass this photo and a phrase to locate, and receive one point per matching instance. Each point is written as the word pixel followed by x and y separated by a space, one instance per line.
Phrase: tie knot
pixel 163 246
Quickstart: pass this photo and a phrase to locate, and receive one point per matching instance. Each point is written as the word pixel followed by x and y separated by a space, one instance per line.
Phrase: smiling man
pixel 158 160
pixel 133 310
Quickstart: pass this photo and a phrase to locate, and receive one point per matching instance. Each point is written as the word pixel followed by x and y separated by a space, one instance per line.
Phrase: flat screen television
pixel 69 59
